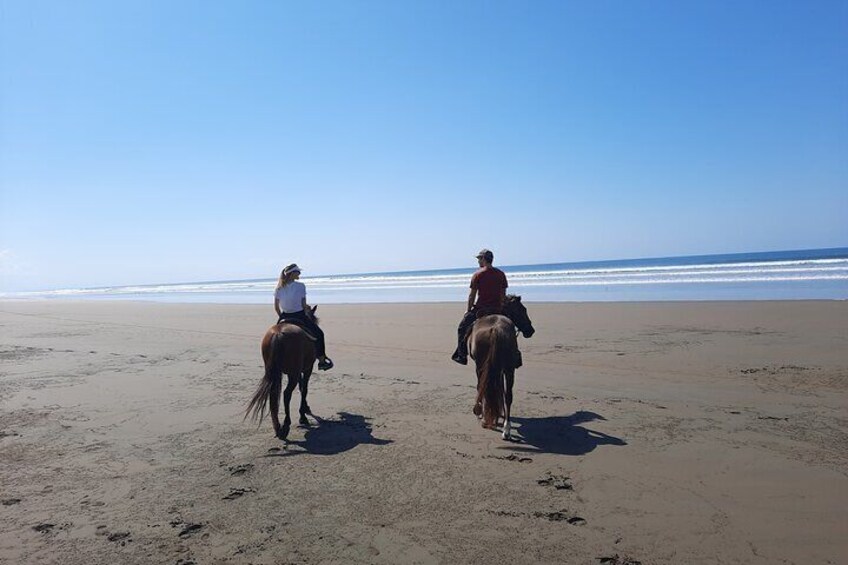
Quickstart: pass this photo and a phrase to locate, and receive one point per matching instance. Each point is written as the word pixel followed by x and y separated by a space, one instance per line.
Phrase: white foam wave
pixel 748 272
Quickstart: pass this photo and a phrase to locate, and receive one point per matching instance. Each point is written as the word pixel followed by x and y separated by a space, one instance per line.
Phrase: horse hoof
pixel 304 421
pixel 478 410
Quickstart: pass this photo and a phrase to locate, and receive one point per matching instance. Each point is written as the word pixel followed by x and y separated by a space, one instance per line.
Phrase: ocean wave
pixel 750 272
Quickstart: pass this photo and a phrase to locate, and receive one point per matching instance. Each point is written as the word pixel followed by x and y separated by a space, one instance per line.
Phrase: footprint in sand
pixel 241 469
pixel 513 457
pixel 44 528
pixel 237 493
pixel 120 537
pixel 559 482
pixel 10 501
pixel 560 516
pixel 509 513
pixel 616 560
pixel 189 529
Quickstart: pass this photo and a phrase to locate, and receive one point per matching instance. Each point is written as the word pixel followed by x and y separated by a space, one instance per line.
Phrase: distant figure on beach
pixel 290 304
pixel 488 291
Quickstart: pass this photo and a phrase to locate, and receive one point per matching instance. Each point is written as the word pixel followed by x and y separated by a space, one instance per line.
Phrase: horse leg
pixel 478 401
pixel 478 406
pixel 287 394
pixel 304 407
pixel 274 401
pixel 509 378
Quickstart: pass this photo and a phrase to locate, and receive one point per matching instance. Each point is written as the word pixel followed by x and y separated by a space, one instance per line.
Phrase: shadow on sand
pixel 560 434
pixel 330 437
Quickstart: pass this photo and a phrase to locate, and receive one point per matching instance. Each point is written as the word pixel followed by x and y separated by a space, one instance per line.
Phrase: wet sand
pixel 653 433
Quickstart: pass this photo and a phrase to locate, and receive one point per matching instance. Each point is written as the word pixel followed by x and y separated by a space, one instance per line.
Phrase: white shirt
pixel 291 296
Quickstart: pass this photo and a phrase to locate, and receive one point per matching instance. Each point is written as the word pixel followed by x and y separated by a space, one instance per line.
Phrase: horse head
pixel 516 312
pixel 310 313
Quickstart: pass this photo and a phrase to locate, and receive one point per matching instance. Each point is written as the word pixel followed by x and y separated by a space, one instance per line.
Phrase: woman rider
pixel 290 303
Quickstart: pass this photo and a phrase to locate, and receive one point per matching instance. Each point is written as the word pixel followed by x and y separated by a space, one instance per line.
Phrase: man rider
pixel 488 289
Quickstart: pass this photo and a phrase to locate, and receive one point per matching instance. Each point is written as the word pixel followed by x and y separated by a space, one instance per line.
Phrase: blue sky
pixel 146 142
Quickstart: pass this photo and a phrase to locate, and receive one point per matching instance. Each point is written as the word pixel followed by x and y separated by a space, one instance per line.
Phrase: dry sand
pixel 652 433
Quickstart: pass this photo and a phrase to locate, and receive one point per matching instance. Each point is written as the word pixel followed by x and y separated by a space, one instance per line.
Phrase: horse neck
pixel 512 313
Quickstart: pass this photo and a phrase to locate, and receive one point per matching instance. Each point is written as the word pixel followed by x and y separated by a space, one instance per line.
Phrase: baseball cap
pixel 485 254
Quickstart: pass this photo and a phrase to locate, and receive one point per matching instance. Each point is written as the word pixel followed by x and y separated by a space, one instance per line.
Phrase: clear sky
pixel 161 141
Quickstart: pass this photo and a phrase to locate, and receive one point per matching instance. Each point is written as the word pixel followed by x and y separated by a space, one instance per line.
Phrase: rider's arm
pixel 472 296
pixel 277 307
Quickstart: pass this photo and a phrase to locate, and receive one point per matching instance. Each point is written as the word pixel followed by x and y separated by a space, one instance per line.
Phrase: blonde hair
pixel 281 282
pixel 285 278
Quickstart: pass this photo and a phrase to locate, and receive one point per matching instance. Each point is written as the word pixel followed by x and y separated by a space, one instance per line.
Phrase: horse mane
pixel 310 313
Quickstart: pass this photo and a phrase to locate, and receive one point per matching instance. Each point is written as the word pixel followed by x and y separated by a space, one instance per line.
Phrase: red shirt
pixel 491 285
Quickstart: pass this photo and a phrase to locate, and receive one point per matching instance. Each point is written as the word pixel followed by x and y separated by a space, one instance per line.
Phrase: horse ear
pixel 518 298
pixel 314 308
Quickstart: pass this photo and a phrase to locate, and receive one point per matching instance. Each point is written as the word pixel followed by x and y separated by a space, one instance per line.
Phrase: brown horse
pixel 286 348
pixel 493 345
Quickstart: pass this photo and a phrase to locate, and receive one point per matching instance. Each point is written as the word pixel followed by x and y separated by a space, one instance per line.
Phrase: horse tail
pixel 270 381
pixel 491 380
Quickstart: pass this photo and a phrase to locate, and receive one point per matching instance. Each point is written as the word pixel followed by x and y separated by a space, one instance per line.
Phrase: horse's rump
pixel 294 342
pixel 493 348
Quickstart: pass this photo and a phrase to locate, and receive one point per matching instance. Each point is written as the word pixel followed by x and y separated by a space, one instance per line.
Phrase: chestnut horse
pixel 286 348
pixel 493 345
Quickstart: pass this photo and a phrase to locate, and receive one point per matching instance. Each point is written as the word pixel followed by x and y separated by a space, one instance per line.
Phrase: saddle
pixel 482 313
pixel 299 323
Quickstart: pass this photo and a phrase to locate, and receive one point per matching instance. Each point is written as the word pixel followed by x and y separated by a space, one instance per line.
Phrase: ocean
pixel 781 275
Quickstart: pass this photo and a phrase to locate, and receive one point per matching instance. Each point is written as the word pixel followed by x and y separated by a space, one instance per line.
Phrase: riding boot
pixel 516 359
pixel 461 353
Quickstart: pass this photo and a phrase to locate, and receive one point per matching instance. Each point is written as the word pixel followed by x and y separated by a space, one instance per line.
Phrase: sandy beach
pixel 712 432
